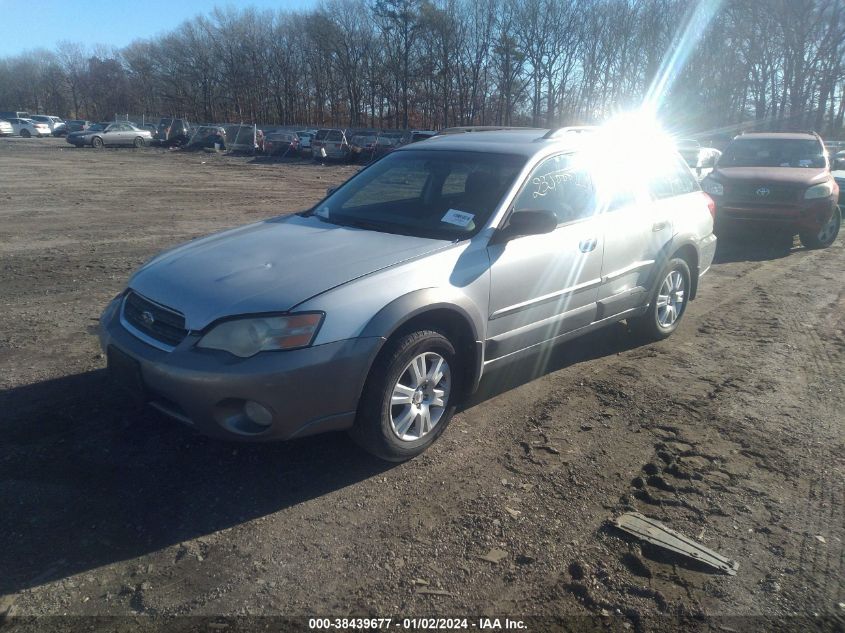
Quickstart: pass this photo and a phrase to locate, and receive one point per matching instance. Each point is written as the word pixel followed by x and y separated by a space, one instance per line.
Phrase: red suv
pixel 779 179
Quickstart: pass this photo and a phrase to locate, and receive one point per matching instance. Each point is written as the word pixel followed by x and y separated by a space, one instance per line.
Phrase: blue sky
pixel 28 25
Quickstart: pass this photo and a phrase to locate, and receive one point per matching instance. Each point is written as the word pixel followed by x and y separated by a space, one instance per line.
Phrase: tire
pixel 25 133
pixel 664 315
pixel 138 142
pixel 97 142
pixel 827 235
pixel 398 431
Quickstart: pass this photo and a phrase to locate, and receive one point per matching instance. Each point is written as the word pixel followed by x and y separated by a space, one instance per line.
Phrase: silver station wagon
pixel 380 308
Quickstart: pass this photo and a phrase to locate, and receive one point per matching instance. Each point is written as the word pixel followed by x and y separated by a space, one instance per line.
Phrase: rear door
pixel 542 286
pixel 639 225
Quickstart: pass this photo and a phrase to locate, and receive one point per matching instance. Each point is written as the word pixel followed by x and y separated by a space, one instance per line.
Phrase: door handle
pixel 587 245
pixel 659 226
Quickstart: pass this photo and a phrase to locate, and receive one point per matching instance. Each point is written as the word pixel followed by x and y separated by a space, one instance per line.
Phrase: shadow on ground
pixel 754 246
pixel 86 480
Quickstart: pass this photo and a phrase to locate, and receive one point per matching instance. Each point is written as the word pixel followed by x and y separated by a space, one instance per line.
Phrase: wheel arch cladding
pixel 689 254
pixel 687 251
pixel 452 314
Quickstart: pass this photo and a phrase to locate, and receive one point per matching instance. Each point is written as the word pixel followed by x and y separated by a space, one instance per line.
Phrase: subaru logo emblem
pixel 148 318
pixel 763 192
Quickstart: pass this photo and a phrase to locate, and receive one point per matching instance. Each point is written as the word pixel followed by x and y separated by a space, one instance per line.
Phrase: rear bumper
pixel 706 253
pixel 808 215
pixel 308 391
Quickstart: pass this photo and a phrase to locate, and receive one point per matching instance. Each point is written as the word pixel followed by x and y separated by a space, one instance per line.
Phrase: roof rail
pixel 570 129
pixel 477 128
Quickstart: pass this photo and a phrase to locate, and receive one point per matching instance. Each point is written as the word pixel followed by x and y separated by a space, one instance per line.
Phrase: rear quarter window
pixel 672 178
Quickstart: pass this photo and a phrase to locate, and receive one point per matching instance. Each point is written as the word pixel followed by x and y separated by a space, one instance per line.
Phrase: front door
pixel 543 286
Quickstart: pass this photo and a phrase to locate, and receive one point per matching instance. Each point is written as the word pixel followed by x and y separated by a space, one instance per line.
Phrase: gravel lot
pixel 730 432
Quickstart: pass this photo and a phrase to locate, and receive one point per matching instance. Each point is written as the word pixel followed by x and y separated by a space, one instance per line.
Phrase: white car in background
pixel 56 124
pixel 27 128
pixel 6 128
pixel 305 137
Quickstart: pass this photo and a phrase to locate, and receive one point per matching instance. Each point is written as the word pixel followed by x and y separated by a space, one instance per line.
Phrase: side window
pixel 672 178
pixel 559 186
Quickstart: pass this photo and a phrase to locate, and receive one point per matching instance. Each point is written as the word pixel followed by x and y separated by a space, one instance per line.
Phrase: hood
pixel 803 176
pixel 269 267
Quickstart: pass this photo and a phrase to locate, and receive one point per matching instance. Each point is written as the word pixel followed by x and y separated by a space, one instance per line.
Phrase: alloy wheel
pixel 420 396
pixel 670 299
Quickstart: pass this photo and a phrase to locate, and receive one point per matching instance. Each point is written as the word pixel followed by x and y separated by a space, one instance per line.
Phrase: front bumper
pixel 308 391
pixel 807 215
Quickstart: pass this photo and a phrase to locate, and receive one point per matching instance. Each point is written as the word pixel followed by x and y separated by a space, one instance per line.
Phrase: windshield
pixel 773 152
pixel 444 195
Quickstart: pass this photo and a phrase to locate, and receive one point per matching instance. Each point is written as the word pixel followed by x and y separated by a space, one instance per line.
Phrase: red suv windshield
pixel 773 152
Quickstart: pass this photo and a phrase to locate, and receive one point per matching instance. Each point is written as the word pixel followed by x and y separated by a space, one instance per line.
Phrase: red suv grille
pixel 761 193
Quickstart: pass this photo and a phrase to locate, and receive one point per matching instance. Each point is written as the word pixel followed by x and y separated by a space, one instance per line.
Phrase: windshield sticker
pixel 458 218
pixel 322 212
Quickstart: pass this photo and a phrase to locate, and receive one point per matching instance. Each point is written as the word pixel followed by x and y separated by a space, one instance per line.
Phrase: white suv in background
pixel 6 128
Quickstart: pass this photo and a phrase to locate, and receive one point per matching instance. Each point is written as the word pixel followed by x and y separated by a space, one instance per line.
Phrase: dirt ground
pixel 731 432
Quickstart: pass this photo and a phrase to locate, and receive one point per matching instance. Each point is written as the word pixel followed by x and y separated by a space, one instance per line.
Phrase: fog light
pixel 258 413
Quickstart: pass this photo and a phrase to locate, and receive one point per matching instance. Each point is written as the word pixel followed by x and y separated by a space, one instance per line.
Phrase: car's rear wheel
pixel 410 396
pixel 97 142
pixel 668 303
pixel 139 142
pixel 25 133
pixel 827 235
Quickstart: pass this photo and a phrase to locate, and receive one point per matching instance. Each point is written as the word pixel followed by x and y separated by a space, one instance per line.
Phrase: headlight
pixel 819 191
pixel 713 187
pixel 246 337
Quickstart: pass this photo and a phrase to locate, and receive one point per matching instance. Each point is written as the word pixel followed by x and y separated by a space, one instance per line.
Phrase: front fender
pixel 402 310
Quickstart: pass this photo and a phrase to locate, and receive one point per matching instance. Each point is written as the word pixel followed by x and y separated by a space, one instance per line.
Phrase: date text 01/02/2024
pixel 484 624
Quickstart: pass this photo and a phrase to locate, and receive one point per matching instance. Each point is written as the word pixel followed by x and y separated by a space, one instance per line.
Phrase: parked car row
pixel 29 125
pixel 361 145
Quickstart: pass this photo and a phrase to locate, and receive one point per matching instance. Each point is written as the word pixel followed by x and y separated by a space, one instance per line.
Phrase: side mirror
pixel 530 222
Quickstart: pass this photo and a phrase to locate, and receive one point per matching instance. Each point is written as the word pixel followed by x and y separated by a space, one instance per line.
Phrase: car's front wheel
pixel 139 142
pixel 668 303
pixel 97 142
pixel 25 133
pixel 826 235
pixel 410 396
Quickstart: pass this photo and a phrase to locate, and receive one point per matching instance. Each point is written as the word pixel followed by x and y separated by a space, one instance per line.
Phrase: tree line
pixel 707 65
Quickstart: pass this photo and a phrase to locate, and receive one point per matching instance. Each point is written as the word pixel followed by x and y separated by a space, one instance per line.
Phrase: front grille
pixel 166 325
pixel 748 193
